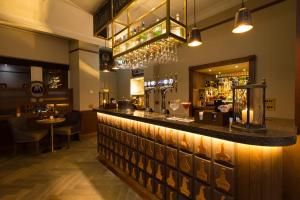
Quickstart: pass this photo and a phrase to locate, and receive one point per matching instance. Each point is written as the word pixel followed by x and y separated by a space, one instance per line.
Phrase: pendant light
pixel 106 68
pixel 243 20
pixel 194 39
pixel 105 58
pixel 115 66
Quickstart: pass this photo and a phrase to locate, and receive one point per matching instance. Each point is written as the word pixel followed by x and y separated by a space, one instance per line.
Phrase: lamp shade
pixel 194 37
pixel 243 21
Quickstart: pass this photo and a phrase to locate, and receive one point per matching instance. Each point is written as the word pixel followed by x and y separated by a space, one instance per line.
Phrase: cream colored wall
pixel 110 81
pixel 84 71
pixel 89 79
pixel 58 17
pixel 272 41
pixel 123 83
pixel 35 46
pixel 36 73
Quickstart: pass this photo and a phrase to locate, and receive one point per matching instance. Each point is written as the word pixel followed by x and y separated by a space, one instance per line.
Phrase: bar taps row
pixel 163 86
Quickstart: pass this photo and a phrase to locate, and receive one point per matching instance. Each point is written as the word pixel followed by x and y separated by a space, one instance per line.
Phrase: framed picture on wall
pixel 55 78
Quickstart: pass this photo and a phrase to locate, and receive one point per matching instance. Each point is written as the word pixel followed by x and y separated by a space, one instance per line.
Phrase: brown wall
pixel 291 162
pixel 88 122
pixel 297 90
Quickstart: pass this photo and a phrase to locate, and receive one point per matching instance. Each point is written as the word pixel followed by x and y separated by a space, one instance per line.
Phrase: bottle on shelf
pixel 157 29
pixel 178 17
pixel 143 35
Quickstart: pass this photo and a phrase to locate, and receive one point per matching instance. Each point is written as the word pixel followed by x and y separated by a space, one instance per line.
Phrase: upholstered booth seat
pixel 29 135
pixel 64 130
pixel 70 127
pixel 24 133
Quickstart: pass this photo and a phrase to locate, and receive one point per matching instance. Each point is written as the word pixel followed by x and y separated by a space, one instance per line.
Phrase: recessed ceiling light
pixel 236 66
pixel 209 70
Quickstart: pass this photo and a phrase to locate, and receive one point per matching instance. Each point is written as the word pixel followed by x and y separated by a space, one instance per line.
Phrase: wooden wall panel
pixel 259 172
pixel 266 172
pixel 291 175
pixel 88 122
pixel 291 158
pixel 244 172
pixel 255 183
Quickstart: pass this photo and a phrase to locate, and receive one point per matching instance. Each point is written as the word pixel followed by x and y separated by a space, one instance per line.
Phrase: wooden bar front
pixel 174 164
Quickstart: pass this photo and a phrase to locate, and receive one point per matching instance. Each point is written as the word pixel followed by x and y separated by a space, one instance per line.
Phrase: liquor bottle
pixel 143 35
pixel 177 29
pixel 158 29
pixel 177 17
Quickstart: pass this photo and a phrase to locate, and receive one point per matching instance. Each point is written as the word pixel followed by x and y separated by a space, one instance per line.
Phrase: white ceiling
pixel 204 8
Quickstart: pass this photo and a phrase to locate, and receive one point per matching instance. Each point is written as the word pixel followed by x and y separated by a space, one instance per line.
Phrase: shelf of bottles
pixel 221 87
pixel 145 27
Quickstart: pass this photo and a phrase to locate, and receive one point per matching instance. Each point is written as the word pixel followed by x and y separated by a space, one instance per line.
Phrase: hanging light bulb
pixel 106 69
pixel 115 66
pixel 243 20
pixel 194 39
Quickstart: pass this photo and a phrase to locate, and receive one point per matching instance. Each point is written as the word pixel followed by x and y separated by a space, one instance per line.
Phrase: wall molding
pixel 81 49
pixel 27 62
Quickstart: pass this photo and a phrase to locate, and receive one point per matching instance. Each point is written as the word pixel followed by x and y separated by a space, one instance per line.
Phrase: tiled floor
pixel 68 174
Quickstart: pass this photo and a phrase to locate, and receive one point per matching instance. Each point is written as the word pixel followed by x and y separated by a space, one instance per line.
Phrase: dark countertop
pixel 274 136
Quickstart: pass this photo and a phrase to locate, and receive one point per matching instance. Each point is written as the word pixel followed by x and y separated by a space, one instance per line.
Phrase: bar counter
pixel 163 159
pixel 270 138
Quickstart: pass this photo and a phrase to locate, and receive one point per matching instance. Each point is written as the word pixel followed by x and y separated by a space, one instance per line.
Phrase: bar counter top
pixel 275 136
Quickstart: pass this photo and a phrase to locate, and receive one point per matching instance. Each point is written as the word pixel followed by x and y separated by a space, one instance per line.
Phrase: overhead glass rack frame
pixel 142 22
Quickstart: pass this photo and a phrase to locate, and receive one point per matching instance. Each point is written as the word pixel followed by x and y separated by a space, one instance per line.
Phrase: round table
pixel 51 122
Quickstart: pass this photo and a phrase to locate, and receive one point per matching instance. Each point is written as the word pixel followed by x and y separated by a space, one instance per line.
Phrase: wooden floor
pixel 69 174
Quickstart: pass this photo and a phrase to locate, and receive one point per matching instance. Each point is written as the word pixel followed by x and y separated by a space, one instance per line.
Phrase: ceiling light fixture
pixel 243 20
pixel 115 67
pixel 194 39
pixel 106 68
pixel 137 39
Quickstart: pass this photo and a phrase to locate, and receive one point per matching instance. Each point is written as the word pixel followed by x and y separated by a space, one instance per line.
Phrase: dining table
pixel 51 122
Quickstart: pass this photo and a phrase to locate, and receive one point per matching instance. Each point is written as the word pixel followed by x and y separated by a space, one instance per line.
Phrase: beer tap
pixel 165 85
pixel 149 86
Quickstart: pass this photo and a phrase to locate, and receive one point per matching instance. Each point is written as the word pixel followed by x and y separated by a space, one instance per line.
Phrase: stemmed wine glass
pixel 174 105
pixel 186 105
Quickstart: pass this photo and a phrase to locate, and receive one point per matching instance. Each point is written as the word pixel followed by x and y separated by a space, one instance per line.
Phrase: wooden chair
pixel 70 127
pixel 24 134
